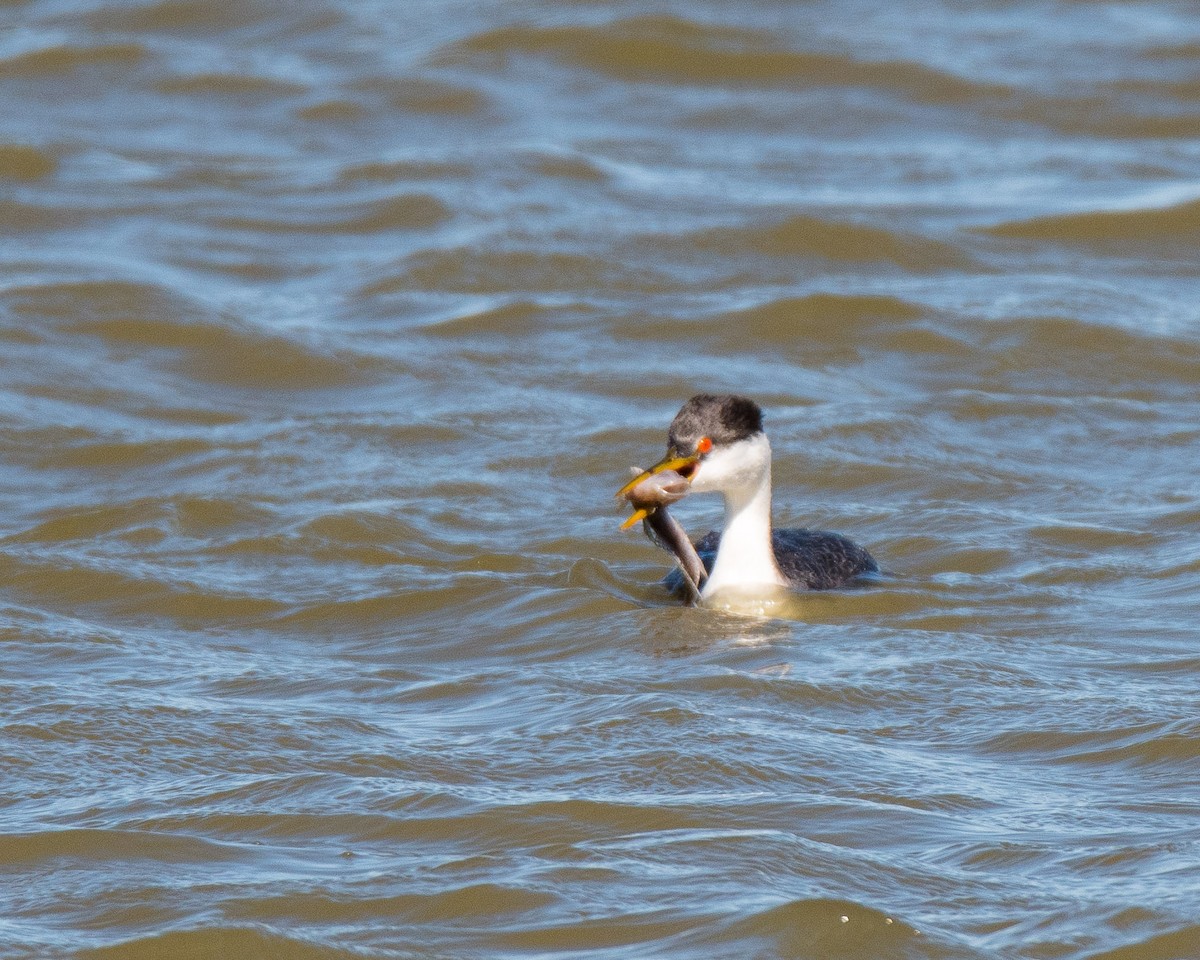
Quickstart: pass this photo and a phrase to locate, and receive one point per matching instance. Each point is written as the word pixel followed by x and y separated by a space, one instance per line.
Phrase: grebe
pixel 716 444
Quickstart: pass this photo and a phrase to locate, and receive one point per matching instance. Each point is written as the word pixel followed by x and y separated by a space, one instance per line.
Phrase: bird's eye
pixel 704 444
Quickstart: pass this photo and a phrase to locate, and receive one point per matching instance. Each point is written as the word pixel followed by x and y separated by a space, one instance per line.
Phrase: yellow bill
pixel 643 508
pixel 637 515
pixel 667 463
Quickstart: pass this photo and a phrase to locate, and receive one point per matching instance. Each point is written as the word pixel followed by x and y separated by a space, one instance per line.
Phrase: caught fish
pixel 650 493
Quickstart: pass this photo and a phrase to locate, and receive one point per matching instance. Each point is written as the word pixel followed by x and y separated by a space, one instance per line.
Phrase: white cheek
pixel 717 471
pixel 702 480
pixel 734 467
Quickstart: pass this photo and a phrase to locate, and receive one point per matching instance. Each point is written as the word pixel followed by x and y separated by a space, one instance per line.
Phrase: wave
pixel 666 263
pixel 804 235
pixel 518 319
pixel 1124 362
pixel 470 270
pixel 332 111
pixel 96 453
pixel 818 929
pixel 153 518
pixel 21 162
pixel 205 346
pixel 435 96
pixel 1175 224
pixel 18 217
pixel 1161 106
pixel 238 85
pixel 1103 118
pixel 668 49
pixel 67 58
pixel 406 211
pixel 95 844
pixel 828 326
pixel 1184 942
pixel 188 16
pixel 1187 52
pixel 1138 745
pixel 566 166
pixel 399 171
pixel 119 587
pixel 478 903
pixel 245 943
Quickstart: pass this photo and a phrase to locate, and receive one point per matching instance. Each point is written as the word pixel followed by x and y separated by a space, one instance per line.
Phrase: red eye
pixel 704 445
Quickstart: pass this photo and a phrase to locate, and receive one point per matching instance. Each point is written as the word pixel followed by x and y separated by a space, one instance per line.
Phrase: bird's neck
pixel 746 558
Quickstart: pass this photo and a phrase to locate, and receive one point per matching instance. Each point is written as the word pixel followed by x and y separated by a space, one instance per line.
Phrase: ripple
pixel 1186 52
pixel 408 211
pixel 413 596
pixel 95 844
pixel 237 85
pixel 471 270
pixel 480 903
pixel 25 163
pixel 20 217
pixel 1184 942
pixel 845 241
pixel 1126 362
pixel 181 15
pixel 112 586
pixel 567 166
pixel 363 539
pixel 667 49
pixel 201 517
pixel 213 941
pixel 827 327
pixel 68 58
pixel 1159 109
pixel 818 928
pixel 206 347
pixel 518 319
pixel 437 96
pixel 107 454
pixel 396 171
pixel 1159 225
pixel 630 928
pixel 1144 745
pixel 1141 126
pixel 319 637
pixel 332 111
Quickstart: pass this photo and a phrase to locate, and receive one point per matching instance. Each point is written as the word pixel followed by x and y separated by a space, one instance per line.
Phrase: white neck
pixel 746 559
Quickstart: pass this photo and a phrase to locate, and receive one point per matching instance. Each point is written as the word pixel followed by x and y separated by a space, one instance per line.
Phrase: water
pixel 327 331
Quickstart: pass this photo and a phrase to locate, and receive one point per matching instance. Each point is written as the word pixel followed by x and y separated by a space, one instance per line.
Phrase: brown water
pixel 327 331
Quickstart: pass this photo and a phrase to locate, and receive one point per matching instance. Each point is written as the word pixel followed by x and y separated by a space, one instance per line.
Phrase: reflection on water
pixel 326 332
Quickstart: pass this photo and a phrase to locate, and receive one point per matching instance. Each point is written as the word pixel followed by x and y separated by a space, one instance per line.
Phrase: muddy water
pixel 327 331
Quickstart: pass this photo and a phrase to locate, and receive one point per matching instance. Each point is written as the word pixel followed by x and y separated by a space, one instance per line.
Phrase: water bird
pixel 716 444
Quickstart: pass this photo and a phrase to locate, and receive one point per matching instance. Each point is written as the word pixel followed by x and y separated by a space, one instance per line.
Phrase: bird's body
pixel 807 559
pixel 716 444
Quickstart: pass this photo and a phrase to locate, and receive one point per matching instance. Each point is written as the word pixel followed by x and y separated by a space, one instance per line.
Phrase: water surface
pixel 327 331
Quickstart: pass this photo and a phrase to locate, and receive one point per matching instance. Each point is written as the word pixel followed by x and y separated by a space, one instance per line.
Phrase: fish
pixel 650 493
